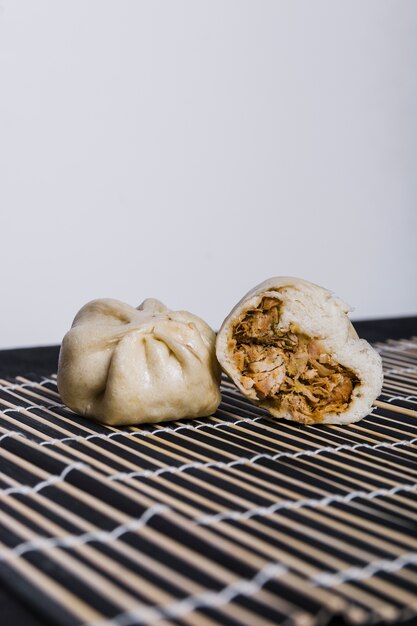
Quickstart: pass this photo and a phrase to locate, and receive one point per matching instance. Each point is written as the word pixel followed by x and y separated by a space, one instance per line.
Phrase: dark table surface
pixel 44 360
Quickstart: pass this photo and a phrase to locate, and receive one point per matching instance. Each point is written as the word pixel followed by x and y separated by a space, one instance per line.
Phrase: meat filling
pixel 289 370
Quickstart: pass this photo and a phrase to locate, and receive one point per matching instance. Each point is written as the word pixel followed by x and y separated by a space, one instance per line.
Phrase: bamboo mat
pixel 233 519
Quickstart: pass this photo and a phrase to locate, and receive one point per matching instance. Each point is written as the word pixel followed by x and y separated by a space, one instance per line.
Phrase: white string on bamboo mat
pixel 403 398
pixel 401 370
pixel 246 587
pixel 22 409
pixel 11 433
pixel 298 504
pixel 241 515
pixel 399 347
pixel 175 469
pixel 26 489
pixel 249 587
pixel 69 541
pixel 14 386
pixel 325 578
pixel 329 579
pixel 52 480
pixel 149 433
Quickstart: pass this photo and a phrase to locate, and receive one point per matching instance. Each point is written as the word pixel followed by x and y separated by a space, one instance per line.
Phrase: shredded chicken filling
pixel 288 369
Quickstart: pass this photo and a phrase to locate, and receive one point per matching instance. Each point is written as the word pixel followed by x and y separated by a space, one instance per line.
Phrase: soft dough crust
pixel 122 365
pixel 316 312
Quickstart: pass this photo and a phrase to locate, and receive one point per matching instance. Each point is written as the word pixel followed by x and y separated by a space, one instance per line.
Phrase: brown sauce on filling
pixel 288 370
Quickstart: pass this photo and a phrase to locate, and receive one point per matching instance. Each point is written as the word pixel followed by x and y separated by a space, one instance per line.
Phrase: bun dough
pixel 121 365
pixel 289 347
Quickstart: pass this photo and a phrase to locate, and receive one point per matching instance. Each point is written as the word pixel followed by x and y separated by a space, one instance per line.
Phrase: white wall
pixel 189 149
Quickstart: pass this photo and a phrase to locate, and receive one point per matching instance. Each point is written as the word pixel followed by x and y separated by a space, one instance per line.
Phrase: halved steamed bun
pixel 290 348
pixel 122 365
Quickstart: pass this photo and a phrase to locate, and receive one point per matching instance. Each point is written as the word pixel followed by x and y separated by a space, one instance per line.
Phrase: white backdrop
pixel 187 150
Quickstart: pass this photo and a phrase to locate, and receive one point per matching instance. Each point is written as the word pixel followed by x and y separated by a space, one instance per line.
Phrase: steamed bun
pixel 122 365
pixel 290 348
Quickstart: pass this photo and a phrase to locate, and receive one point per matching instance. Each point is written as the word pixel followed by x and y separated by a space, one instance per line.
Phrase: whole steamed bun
pixel 124 365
